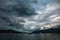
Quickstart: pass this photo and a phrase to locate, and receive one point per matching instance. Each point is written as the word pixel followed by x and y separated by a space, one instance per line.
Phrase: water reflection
pixel 14 36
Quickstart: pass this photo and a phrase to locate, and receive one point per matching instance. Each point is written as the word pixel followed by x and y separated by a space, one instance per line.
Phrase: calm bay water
pixel 41 36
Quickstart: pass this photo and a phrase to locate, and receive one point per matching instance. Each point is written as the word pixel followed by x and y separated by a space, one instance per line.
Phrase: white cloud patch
pixel 46 18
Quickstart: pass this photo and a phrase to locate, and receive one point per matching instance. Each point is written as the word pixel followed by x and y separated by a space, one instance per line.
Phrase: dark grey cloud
pixel 16 7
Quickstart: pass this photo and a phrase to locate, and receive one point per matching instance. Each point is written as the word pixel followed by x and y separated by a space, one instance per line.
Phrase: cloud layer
pixel 28 16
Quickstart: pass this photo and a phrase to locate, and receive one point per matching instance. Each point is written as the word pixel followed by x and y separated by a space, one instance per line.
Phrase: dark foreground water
pixel 42 36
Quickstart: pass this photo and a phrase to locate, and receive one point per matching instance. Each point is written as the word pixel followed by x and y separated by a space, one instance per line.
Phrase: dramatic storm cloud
pixel 29 15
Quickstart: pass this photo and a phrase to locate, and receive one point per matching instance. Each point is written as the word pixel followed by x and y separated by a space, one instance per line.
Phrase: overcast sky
pixel 29 15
